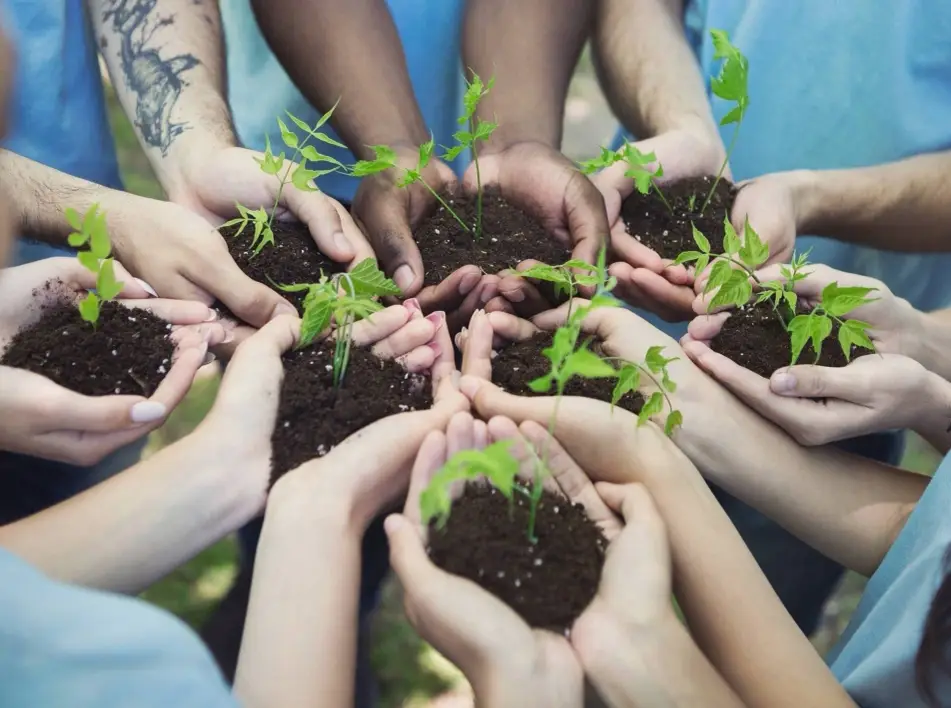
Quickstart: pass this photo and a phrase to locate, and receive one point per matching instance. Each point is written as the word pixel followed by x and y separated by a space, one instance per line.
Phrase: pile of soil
pixel 128 352
pixel 509 236
pixel 293 258
pixel 754 337
pixel 522 362
pixel 313 416
pixel 669 234
pixel 549 583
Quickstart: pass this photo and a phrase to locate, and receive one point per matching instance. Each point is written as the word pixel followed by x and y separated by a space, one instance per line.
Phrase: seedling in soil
pixel 477 129
pixel 730 85
pixel 342 299
pixel 565 281
pixel 734 273
pixel 90 229
pixel 644 178
pixel 295 171
pixel 385 159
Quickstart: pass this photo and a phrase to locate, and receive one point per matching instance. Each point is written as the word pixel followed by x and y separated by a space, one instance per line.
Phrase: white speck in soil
pixel 329 367
pixel 161 370
pixel 518 583
pixel 538 562
pixel 287 423
pixel 481 572
pixel 501 573
pixel 514 368
pixel 113 352
pixel 168 326
pixel 555 509
pixel 666 232
pixel 436 231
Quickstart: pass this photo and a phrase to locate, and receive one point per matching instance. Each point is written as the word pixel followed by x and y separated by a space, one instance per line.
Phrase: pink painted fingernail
pixel 437 318
pixel 412 305
pixel 434 345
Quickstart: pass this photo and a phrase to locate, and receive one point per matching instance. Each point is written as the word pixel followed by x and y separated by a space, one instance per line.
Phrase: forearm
pixel 317 49
pixel 930 341
pixel 848 508
pixel 131 530
pixel 731 609
pixel 299 644
pixel 934 418
pixel 649 73
pixel 662 668
pixel 531 47
pixel 166 61
pixel 899 206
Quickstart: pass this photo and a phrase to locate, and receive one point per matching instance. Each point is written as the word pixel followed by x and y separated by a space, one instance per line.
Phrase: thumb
pixel 386 222
pixel 489 401
pixel 631 501
pixel 249 300
pixel 104 414
pixel 408 556
pixel 818 382
pixel 587 218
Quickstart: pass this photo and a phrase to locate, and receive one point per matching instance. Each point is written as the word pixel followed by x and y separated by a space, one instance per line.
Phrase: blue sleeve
pixel 62 645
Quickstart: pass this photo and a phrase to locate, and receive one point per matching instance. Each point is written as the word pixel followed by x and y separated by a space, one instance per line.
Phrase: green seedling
pixel 565 281
pixel 295 171
pixel 730 85
pixel 644 178
pixel 629 380
pixel 476 130
pixel 90 230
pixel 733 276
pixel 343 299
pixel 385 159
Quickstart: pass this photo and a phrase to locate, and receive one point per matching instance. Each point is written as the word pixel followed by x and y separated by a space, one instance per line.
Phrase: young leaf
pixel 731 241
pixel 107 286
pixel 315 320
pixel 628 379
pixel 287 135
pixel 88 260
pixel 587 364
pixel 425 154
pixel 737 291
pixel 674 419
pixel 702 243
pixel 369 281
pixel 330 141
pixel 655 359
pixel 298 122
pixel 754 252
pixel 653 406
pixel 791 299
pixel 605 159
pixel 799 333
pixel 839 301
pixel 89 308
pixel 484 130
pixel 687 257
pixel 302 178
pixel 98 234
pixel 309 153
pixel 719 275
pixel 542 384
pixel 854 332
pixel 385 159
pixel 821 328
pixel 77 239
pixel 74 219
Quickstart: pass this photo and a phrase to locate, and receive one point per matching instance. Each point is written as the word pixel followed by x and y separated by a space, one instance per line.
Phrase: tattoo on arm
pixel 156 81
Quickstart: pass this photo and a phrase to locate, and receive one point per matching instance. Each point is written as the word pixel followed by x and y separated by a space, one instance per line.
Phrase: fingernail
pixel 412 305
pixel 469 282
pixel 342 244
pixel 783 382
pixel 392 524
pixel 437 318
pixel 148 412
pixel 434 345
pixel 211 316
pixel 469 385
pixel 404 277
pixel 229 336
pixel 148 288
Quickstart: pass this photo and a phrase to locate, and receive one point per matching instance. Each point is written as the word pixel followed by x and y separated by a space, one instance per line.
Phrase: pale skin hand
pixel 508 663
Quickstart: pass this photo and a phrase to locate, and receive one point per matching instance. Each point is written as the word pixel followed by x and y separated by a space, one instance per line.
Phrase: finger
pixel 251 301
pixel 386 224
pixel 236 335
pixel 418 361
pixel 381 325
pixel 83 448
pixel 484 292
pixel 212 333
pixel 511 328
pixel 408 555
pixel 413 334
pixel 489 401
pixel 132 288
pixel 677 274
pixel 676 300
pixel 354 236
pixel 176 312
pixel 441 344
pixel 636 506
pixel 705 327
pixel 178 380
pixel 844 383
pixel 586 217
pixel 430 457
pixel 477 353
pixel 459 434
pixel 324 222
pixel 66 410
pixel 499 304
pixel 628 249
pixel 452 291
pixel 480 434
pixel 524 297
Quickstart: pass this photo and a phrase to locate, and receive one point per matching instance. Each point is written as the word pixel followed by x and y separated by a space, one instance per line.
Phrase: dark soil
pixel 509 236
pixel 549 583
pixel 669 234
pixel 755 338
pixel 129 351
pixel 519 363
pixel 313 416
pixel 293 258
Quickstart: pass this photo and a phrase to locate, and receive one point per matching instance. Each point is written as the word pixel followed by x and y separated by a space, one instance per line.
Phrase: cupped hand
pixel 506 661
pixel 771 204
pixel 645 279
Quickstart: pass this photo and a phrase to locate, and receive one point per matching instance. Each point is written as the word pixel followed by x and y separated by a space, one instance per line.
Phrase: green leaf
pixel 76 239
pixel 484 130
pixel 655 359
pixel 88 260
pixel 731 241
pixel 791 299
pixel 315 320
pixel 454 152
pixel 475 90
pixel 838 301
pixel 287 135
pixel 702 243
pixel 628 380
pixel 587 364
pixel 74 219
pixel 734 115
pixel 302 178
pixel 369 281
pixel 542 384
pixel 799 329
pixel 821 328
pixel 385 158
pixel 99 244
pixel 295 287
pixel 674 420
pixel 737 291
pixel 854 332
pixel 330 141
pixel 720 274
pixel 310 153
pixel 653 406
pixel 642 180
pixel 425 154
pixel 106 284
pixel 298 122
pixel 605 159
pixel 687 257
pixel 702 262
pixel 89 308
pixel 754 252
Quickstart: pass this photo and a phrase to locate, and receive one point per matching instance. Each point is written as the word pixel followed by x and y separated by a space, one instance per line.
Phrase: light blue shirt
pixel 837 85
pixel 260 90
pixel 875 657
pixel 61 645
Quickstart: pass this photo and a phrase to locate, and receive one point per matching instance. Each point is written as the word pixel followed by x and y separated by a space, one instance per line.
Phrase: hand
pixel 506 661
pixel 770 204
pixel 547 185
pixel 389 213
pixel 644 278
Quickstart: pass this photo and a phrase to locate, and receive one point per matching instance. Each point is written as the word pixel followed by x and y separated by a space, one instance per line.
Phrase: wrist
pixel 526 682
pixel 304 498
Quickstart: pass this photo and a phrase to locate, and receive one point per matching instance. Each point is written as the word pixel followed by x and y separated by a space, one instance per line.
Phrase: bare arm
pixel 648 72
pixel 347 50
pixel 899 206
pixel 166 61
pixel 531 47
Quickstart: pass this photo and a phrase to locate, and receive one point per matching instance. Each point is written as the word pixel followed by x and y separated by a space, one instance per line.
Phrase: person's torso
pixel 875 657
pixel 58 115
pixel 838 85
pixel 260 90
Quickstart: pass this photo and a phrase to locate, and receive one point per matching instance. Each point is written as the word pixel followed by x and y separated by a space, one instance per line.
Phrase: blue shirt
pixel 260 90
pixel 875 657
pixel 61 645
pixel 840 85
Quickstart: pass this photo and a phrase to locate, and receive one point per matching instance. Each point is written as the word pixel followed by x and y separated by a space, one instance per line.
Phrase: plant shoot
pixel 90 230
pixel 638 168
